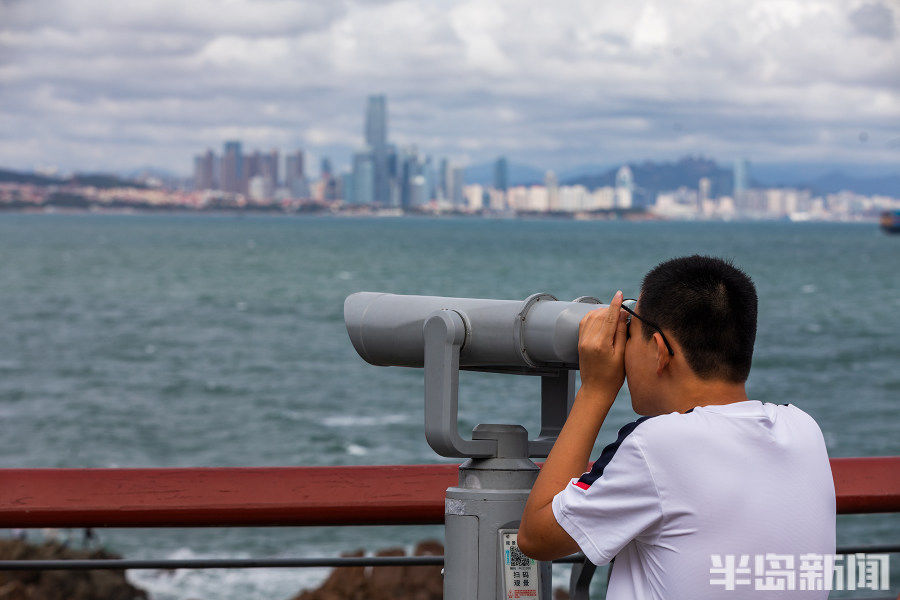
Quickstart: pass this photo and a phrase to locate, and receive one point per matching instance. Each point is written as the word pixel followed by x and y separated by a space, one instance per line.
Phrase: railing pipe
pixel 278 562
pixel 287 496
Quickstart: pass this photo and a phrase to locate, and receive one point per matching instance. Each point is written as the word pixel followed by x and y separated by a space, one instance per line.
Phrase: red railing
pixel 269 496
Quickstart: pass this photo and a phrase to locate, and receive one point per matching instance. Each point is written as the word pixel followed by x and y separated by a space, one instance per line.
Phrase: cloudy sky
pixel 115 85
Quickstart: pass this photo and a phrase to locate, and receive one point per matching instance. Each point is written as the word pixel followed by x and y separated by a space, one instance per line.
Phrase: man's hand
pixel 601 355
pixel 601 348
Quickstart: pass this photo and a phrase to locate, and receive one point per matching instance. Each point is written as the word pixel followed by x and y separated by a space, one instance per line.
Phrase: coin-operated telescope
pixel 537 336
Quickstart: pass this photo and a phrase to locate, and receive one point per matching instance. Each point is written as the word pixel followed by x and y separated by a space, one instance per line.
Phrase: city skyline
pixel 388 179
pixel 147 85
pixel 410 182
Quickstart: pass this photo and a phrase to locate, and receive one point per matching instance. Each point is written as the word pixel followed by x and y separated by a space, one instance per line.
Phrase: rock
pixel 61 585
pixel 383 583
pixel 389 583
pixel 560 594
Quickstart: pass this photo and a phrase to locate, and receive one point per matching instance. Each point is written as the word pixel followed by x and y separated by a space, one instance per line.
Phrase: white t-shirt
pixel 709 504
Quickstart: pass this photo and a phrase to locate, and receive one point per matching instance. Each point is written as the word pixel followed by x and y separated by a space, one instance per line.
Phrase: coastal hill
pixel 97 180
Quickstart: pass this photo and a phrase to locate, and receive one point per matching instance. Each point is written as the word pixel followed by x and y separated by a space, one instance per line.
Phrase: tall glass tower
pixel 501 174
pixel 376 121
pixel 233 176
pixel 376 139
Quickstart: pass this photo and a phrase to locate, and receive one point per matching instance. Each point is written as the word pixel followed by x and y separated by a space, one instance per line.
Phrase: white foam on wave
pixel 224 584
pixel 354 421
pixel 357 450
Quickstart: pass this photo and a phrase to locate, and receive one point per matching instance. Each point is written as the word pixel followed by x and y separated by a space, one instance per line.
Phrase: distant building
pixel 260 188
pixel 325 167
pixel 573 198
pixel 363 177
pixel 624 188
pixel 444 184
pixel 347 192
pixel 457 182
pixel 603 198
pixel 517 197
pixel 376 140
pixel 496 200
pixel 475 196
pixel 251 165
pixel 406 169
pixel 501 174
pixel 294 176
pixel 233 175
pixel 552 185
pixel 707 204
pixel 741 177
pixel 417 191
pixel 269 167
pixel 376 121
pixel 330 185
pixel 704 186
pixel 204 171
pixel 681 203
pixel 430 174
pixel 538 200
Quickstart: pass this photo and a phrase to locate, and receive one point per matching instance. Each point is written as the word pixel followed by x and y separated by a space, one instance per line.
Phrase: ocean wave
pixel 366 421
pixel 224 584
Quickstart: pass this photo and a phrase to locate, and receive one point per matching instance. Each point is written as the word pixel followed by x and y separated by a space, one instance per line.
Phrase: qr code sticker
pixel 517 559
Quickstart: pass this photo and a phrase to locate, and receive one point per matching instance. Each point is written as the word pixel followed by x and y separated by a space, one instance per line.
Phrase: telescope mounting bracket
pixel 444 336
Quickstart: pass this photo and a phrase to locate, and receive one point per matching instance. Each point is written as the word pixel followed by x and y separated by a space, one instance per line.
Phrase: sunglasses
pixel 628 306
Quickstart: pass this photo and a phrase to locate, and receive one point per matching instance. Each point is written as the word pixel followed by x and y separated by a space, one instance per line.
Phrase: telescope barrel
pixel 539 332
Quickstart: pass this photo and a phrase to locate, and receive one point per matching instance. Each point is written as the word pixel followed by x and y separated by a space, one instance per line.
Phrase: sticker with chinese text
pixel 521 576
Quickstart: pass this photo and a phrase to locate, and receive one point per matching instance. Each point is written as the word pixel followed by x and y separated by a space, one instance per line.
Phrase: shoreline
pixel 635 217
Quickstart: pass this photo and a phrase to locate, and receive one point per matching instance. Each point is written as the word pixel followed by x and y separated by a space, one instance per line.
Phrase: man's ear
pixel 662 354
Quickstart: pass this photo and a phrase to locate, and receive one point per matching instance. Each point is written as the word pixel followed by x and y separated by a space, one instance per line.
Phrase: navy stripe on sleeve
pixel 597 470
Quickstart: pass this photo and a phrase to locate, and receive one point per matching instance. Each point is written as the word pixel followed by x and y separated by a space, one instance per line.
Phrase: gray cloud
pixel 876 20
pixel 90 84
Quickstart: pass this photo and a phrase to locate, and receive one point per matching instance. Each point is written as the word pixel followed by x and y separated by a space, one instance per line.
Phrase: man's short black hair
pixel 709 305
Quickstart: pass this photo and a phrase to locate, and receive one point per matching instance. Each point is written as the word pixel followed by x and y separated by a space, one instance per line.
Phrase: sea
pixel 218 340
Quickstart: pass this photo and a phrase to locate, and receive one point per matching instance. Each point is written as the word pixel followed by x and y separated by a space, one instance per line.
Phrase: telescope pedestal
pixel 482 559
pixel 537 336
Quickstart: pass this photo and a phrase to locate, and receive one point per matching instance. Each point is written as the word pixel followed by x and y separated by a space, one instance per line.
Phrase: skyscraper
pixel 233 175
pixel 704 187
pixel 418 191
pixel 347 193
pixel 376 139
pixel 551 182
pixel 204 166
pixel 252 164
pixel 407 168
pixel 363 177
pixel 457 181
pixel 501 174
pixel 293 175
pixel 443 184
pixel 269 167
pixel 430 179
pixel 325 167
pixel 624 187
pixel 376 121
pixel 741 176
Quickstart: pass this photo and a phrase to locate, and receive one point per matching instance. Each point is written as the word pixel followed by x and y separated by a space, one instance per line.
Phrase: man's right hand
pixel 601 348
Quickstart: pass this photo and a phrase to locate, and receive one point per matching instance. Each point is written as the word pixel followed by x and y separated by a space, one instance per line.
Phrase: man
pixel 709 494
